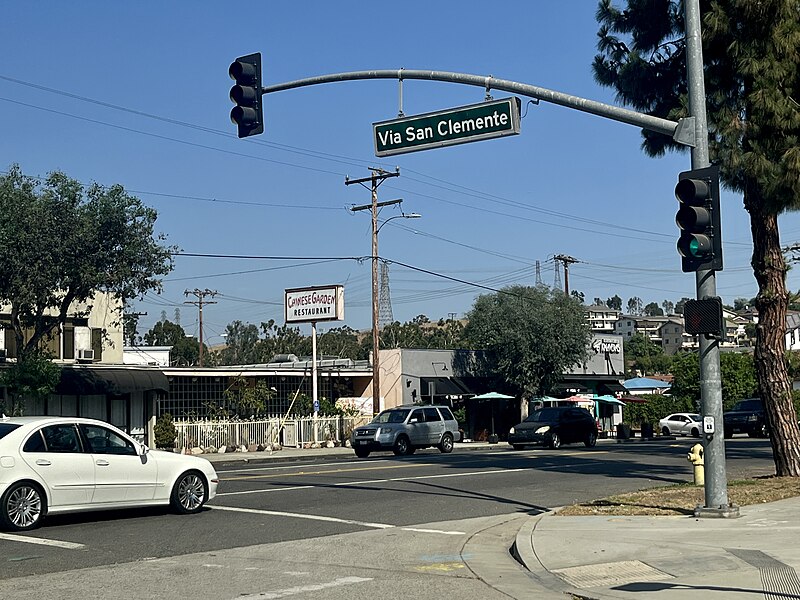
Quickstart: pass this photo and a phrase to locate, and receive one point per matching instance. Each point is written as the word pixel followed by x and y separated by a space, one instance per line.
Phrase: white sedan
pixel 52 465
pixel 681 424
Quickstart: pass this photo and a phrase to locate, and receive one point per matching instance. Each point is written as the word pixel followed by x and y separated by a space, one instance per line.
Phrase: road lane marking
pixel 374 481
pixel 329 472
pixel 302 589
pixel 280 513
pixel 40 541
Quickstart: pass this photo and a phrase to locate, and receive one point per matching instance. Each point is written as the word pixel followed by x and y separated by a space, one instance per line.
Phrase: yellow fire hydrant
pixel 695 457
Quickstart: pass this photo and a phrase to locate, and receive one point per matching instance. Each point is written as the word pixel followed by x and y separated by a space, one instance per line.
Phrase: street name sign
pixel 460 125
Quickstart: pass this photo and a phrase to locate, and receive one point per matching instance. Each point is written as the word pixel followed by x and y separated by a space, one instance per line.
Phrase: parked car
pixel 747 416
pixel 681 424
pixel 403 429
pixel 52 465
pixel 553 426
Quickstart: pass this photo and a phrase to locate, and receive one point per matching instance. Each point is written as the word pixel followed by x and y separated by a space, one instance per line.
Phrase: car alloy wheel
pixel 189 493
pixel 555 441
pixel 402 446
pixel 591 441
pixel 446 445
pixel 22 507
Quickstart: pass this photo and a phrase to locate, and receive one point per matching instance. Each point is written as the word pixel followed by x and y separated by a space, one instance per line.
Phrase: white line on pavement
pixel 301 589
pixel 279 513
pixel 374 481
pixel 40 541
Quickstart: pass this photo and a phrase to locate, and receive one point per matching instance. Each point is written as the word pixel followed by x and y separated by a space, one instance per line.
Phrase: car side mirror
pixel 413 420
pixel 143 449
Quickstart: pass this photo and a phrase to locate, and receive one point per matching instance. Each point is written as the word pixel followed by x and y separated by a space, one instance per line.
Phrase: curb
pixel 524 553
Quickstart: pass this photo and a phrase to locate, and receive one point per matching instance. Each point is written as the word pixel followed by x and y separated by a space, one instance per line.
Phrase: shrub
pixel 165 432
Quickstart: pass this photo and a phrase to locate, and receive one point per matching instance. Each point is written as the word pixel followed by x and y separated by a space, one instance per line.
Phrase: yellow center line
pixel 333 471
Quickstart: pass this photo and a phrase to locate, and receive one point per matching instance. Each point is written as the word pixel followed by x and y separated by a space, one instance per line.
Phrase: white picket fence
pixel 269 431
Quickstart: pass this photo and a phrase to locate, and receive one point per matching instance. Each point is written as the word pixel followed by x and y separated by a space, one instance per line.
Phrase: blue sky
pixel 571 183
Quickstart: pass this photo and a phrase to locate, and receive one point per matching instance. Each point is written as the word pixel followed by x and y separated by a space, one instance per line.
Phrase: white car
pixel 681 424
pixel 52 465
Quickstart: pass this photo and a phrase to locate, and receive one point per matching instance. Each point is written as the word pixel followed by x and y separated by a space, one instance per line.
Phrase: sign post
pixel 312 304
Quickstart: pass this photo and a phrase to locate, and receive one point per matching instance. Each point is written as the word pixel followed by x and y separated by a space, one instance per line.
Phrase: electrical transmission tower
pixel 539 281
pixel 557 278
pixel 385 299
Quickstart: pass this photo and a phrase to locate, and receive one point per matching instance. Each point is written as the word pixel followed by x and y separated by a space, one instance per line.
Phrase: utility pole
pixel 200 295
pixel 375 180
pixel 567 260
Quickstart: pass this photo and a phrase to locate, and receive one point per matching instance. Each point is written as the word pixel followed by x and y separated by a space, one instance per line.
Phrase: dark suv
pixel 747 416
pixel 553 426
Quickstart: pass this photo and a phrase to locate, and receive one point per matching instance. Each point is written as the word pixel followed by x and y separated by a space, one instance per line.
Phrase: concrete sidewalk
pixel 753 556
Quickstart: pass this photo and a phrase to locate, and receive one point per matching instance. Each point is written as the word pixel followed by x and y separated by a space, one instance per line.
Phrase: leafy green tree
pixel 598 302
pixel 531 335
pixel 34 378
pixel 614 302
pixel 743 303
pixel 668 306
pixel 737 373
pixel 282 339
pixel 634 306
pixel 643 356
pixel 680 304
pixel 184 352
pixel 241 345
pixel 247 397
pixel 130 327
pixel 751 52
pixel 46 271
pixel 341 342
pixel 652 309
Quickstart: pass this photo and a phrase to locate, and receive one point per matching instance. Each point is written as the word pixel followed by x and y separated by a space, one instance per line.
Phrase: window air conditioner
pixel 85 354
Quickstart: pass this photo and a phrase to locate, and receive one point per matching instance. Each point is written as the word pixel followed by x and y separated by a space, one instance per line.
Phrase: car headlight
pixel 382 430
pixel 510 431
pixel 543 429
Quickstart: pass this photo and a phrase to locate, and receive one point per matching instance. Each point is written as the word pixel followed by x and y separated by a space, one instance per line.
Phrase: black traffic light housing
pixel 704 317
pixel 698 218
pixel 248 114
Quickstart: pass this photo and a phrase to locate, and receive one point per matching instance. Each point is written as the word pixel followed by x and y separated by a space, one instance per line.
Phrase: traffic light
pixel 700 244
pixel 247 114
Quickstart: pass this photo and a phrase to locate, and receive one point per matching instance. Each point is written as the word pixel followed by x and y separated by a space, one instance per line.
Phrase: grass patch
pixel 682 499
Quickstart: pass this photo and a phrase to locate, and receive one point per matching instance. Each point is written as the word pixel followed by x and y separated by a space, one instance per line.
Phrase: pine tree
pixel 751 52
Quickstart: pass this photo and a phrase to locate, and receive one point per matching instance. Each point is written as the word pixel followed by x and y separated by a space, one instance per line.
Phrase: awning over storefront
pixel 611 387
pixel 112 381
pixel 608 400
pixel 447 386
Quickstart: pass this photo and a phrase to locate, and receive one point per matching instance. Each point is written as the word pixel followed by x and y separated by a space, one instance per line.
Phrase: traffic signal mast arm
pixel 682 132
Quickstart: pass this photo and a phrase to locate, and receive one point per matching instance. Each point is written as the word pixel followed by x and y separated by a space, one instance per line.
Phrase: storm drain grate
pixel 610 574
pixel 778 579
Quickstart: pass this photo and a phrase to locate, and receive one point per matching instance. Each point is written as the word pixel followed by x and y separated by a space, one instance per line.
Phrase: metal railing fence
pixel 273 430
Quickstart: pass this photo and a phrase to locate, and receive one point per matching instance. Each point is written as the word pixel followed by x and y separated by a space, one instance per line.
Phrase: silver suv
pixel 403 429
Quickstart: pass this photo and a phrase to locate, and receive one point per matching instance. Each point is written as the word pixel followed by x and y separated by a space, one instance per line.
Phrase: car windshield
pixel 6 428
pixel 544 415
pixel 748 405
pixel 392 416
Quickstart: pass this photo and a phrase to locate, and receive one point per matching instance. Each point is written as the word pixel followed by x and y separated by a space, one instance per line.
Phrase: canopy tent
pixel 608 400
pixel 492 396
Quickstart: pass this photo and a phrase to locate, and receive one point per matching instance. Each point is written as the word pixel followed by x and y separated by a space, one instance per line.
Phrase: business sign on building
pixel 310 304
pixel 471 123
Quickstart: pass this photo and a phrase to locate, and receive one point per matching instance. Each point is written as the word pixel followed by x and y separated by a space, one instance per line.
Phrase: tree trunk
pixel 769 268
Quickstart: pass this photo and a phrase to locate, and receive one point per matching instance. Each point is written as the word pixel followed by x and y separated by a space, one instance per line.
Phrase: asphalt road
pixel 272 503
